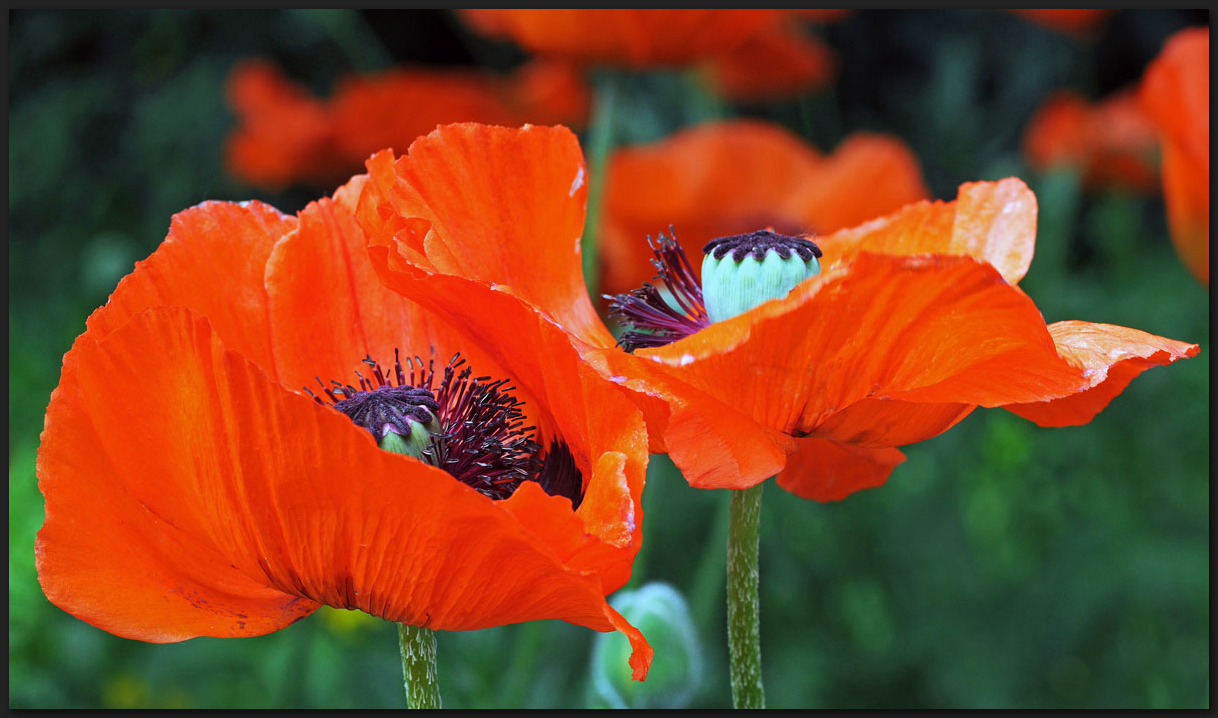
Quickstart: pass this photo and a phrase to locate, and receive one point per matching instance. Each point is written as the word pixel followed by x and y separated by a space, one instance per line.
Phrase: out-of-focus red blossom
pixel 194 489
pixel 785 60
pixel 725 178
pixel 747 55
pixel 1175 94
pixel 285 135
pixel 1066 20
pixel 915 320
pixel 1112 142
pixel 631 37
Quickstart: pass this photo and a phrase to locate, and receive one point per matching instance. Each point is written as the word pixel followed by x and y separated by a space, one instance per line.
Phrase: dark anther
pixel 758 243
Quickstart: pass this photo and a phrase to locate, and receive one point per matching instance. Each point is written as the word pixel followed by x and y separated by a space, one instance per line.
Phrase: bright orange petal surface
pixel 632 37
pixel 213 262
pixel 1108 357
pixel 992 221
pixel 303 506
pixel 823 470
pixel 498 205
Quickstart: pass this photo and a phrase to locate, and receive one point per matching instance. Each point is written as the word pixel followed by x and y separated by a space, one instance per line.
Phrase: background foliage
pixel 1002 565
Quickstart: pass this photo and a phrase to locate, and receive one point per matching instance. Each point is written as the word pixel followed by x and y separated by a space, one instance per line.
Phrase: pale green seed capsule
pixel 742 271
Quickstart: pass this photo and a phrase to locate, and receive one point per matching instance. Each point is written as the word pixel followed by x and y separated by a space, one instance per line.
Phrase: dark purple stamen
pixel 650 319
pixel 559 475
pixel 482 439
pixel 758 243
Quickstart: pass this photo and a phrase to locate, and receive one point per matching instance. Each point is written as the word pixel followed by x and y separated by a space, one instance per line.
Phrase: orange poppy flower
pixel 785 60
pixel 1112 142
pixel 914 322
pixel 723 178
pixel 1066 20
pixel 1175 94
pixel 193 488
pixel 623 36
pixel 285 135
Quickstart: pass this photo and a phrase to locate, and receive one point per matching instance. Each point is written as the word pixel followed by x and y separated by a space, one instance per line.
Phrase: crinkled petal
pixel 823 470
pixel 992 221
pixel 498 205
pixel 1108 357
pixel 214 502
pixel 212 262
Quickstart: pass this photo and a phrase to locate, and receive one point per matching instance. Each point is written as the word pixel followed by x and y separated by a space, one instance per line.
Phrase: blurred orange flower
pixel 623 36
pixel 747 55
pixel 724 178
pixel 285 135
pixel 193 489
pixel 1175 94
pixel 1065 20
pixel 1111 142
pixel 915 321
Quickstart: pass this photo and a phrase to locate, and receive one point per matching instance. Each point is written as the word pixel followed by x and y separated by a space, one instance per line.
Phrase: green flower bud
pixel 662 615
pixel 744 270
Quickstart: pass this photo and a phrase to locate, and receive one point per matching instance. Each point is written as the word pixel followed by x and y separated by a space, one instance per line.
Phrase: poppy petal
pixel 1108 358
pixel 866 176
pixel 403 541
pixel 284 134
pixel 604 431
pixel 823 470
pixel 505 206
pixel 992 221
pixel 931 329
pixel 781 62
pixel 213 262
pixel 628 36
pixel 1175 93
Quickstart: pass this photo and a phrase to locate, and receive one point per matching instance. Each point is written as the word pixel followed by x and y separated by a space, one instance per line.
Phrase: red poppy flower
pixel 723 178
pixel 623 36
pixel 1111 142
pixel 1175 94
pixel 285 135
pixel 914 322
pixel 194 487
pixel 785 60
pixel 1066 20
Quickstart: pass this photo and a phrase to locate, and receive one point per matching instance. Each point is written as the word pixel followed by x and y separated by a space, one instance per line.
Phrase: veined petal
pixel 212 262
pixel 1108 357
pixel 823 470
pixel 500 206
pixel 992 221
pixel 933 329
pixel 243 505
pixel 603 429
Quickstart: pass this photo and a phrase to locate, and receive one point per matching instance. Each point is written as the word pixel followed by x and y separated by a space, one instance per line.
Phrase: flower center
pixel 471 427
pixel 738 273
pixel 744 270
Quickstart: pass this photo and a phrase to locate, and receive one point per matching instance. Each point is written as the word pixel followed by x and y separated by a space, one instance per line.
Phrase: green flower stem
pixel 600 142
pixel 743 610
pixel 419 666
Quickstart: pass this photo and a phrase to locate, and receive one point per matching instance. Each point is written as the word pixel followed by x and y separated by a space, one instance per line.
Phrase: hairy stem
pixel 743 610
pixel 419 666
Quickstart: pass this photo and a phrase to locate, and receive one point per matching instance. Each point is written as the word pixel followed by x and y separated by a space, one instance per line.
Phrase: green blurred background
pixel 1003 565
